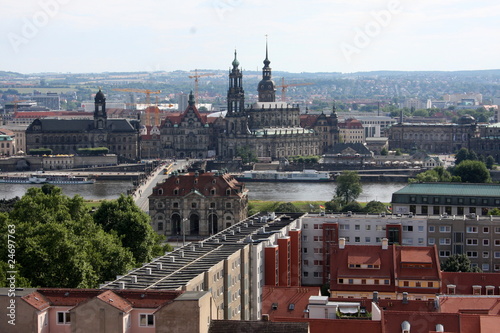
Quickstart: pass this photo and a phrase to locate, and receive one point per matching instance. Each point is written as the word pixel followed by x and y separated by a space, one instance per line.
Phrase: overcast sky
pixel 83 36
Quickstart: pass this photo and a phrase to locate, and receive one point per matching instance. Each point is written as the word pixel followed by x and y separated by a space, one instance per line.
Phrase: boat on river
pixel 306 175
pixel 41 178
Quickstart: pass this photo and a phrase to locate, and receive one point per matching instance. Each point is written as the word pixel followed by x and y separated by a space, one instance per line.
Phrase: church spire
pixel 266 87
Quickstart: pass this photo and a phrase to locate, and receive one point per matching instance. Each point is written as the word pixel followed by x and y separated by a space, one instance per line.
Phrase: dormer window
pixel 176 192
pixel 177 181
pixel 228 192
pixel 160 191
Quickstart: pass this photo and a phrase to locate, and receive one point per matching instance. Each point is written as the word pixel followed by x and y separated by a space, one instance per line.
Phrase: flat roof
pixel 451 189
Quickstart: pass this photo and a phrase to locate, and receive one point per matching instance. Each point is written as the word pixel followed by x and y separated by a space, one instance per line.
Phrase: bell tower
pixel 235 93
pixel 100 116
pixel 266 88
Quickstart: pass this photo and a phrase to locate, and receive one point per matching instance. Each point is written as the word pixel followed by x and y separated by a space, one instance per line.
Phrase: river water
pixel 257 191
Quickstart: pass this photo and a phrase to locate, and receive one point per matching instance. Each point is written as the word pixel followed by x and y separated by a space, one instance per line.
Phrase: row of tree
pixel 58 242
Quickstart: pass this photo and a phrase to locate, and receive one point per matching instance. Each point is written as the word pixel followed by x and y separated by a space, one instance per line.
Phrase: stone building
pixel 197 204
pixel 488 142
pixel 351 131
pixel 433 138
pixel 325 125
pixel 65 136
pixel 268 128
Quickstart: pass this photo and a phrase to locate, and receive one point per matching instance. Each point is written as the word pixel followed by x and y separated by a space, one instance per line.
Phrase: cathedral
pixel 270 129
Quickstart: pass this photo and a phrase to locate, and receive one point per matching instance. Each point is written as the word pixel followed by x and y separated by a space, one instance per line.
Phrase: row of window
pixel 470 229
pixel 459 201
pixel 145 319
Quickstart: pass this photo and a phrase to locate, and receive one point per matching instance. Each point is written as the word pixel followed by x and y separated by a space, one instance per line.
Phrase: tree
pixel 59 245
pixel 247 155
pixel 472 156
pixel 438 174
pixel 472 172
pixel 333 206
pixel 352 206
pixel 494 212
pixel 348 186
pixel 490 162
pixel 458 263
pixel 461 155
pixel 287 207
pixel 398 152
pixel 384 151
pixel 132 225
pixel 375 207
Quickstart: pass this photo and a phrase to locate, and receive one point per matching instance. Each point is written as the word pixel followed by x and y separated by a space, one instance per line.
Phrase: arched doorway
pixel 194 224
pixel 213 224
pixel 176 224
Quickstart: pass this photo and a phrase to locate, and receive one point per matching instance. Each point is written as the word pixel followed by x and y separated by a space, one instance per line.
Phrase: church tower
pixel 266 88
pixel 100 116
pixel 235 93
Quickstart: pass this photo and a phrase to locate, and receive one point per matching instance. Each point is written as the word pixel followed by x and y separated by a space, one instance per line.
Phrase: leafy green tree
pixel 472 172
pixel 458 263
pixel 490 162
pixel 287 207
pixel 494 212
pixel 333 206
pixel 352 206
pixel 132 225
pixel 247 155
pixel 384 151
pixel 59 245
pixel 472 156
pixel 375 207
pixel 461 155
pixel 348 186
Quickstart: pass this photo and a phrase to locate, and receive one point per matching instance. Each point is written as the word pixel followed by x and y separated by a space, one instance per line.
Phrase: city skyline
pixel 314 36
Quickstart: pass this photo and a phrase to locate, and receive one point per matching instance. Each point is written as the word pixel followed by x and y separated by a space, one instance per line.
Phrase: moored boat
pixel 284 176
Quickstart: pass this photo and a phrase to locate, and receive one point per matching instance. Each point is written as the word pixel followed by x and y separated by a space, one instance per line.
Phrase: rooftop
pixel 452 189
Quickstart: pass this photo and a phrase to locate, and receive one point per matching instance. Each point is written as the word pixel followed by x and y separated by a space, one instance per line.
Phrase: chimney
pixel 405 327
pixel 375 297
pixel 385 243
pixel 341 243
pixel 133 278
pixel 439 328
pixel 405 298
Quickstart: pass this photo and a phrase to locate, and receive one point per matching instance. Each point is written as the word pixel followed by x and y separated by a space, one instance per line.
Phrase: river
pixel 257 191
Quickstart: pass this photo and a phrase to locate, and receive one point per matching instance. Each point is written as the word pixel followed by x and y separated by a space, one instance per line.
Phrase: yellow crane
pixel 284 86
pixel 196 76
pixel 148 103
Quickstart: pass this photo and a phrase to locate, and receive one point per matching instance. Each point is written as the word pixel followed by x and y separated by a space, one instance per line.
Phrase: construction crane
pixel 148 103
pixel 196 76
pixel 284 86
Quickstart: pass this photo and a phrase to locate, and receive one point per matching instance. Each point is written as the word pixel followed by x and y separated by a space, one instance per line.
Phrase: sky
pixel 85 36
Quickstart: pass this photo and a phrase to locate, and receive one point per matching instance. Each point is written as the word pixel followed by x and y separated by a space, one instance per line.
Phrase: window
pixel 486 254
pixel 486 230
pixel 406 283
pixel 497 242
pixel 63 318
pixel 497 254
pixel 418 284
pixel 176 205
pixel 430 284
pixel 472 254
pixel 420 228
pixel 318 274
pixel 386 282
pixel 407 241
pixel 420 241
pixel 432 228
pixel 367 240
pixel 444 253
pixel 431 241
pixel 228 205
pixel 357 227
pixel 306 262
pixel 344 227
pixel 306 274
pixel 472 241
pixel 368 227
pixel 379 227
pixel 485 268
pixel 497 230
pixel 193 204
pixel 471 230
pixel 407 228
pixel 160 226
pixel 305 249
pixel 444 228
pixel 444 241
pixel 318 238
pixel 357 239
pixel 486 242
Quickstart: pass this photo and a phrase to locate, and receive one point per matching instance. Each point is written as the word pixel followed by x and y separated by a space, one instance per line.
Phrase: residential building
pixel 446 199
pixel 320 233
pixel 7 145
pixel 478 238
pixel 231 264
pixel 488 142
pixel 351 131
pixel 49 100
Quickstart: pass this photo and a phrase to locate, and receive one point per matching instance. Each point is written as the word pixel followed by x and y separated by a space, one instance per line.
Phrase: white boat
pixel 284 176
pixel 41 178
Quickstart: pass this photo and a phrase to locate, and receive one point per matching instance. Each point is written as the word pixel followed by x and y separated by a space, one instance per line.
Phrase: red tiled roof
pixel 114 300
pixel 414 255
pixel 308 120
pixel 68 297
pixel 420 321
pixel 36 300
pixel 283 297
pixel 202 183
pixel 482 305
pixel 465 280
pixel 369 258
pixel 339 325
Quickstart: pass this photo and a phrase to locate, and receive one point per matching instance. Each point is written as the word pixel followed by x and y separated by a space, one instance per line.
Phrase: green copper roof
pixel 458 189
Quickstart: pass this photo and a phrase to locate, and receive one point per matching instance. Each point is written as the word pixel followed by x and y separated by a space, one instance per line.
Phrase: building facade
pixel 65 136
pixel 197 204
pixel 446 199
pixel 433 138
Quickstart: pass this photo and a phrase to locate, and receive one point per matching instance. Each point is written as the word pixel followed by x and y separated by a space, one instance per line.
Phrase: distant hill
pixel 10 74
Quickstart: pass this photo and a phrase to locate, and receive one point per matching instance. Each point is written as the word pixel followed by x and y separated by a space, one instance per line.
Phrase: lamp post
pixel 183 226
